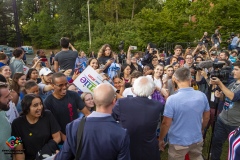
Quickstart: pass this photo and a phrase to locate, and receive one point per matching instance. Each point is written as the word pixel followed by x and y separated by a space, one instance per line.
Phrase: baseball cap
pixel 234 51
pixel 45 71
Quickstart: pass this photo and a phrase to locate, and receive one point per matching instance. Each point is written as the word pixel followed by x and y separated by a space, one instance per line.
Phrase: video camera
pixel 221 72
pixel 218 70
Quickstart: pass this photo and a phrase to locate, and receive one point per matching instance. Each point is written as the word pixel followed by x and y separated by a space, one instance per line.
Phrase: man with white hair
pixel 186 115
pixel 140 116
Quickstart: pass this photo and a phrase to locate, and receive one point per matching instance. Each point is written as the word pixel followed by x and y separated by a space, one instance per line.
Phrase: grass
pixel 164 155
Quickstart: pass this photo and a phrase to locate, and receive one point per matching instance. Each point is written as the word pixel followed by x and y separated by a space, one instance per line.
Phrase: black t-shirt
pixel 102 61
pixel 64 109
pixel 133 68
pixel 35 136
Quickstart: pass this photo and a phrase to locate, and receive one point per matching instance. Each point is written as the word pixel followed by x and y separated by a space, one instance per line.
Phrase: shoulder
pixel 18 120
pixel 72 94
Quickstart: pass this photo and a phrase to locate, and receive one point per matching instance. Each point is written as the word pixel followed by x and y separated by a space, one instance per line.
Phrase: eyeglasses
pixel 61 85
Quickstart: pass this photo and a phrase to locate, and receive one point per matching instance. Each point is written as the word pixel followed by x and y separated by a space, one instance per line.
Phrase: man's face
pixel 223 56
pixel 5 99
pixel 177 52
pixel 189 59
pixel 169 72
pixel 60 85
pixel 236 72
pixel 42 53
pixel 199 60
pixel 47 79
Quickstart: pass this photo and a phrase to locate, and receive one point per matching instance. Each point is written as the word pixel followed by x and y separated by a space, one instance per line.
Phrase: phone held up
pixel 134 47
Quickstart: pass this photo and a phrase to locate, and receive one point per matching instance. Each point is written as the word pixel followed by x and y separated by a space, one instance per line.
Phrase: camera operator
pixel 216 39
pixel 229 118
pixel 205 39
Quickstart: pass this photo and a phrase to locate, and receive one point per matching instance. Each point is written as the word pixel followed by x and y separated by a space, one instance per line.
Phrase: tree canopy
pixel 136 22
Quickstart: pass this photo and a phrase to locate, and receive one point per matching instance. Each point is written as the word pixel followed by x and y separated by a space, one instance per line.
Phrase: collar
pixel 98 114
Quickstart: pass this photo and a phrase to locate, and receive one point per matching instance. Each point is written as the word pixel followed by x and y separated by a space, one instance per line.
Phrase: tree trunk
pixel 133 8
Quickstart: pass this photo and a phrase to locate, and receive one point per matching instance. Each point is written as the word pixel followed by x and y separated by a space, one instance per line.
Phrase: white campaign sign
pixel 89 79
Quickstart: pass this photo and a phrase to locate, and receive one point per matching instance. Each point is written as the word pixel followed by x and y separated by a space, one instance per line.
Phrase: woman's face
pixel 36 108
pixel 34 75
pixel 107 51
pixel 127 70
pixel 94 64
pixel 22 81
pixel 176 66
pixel 73 88
pixel 6 72
pixel 117 82
pixel 134 60
pixel 154 61
pixel 34 90
pixel 88 99
pixel 158 71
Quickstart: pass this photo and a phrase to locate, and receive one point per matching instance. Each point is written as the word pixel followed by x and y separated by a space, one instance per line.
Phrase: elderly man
pixel 184 119
pixel 140 116
pixel 103 138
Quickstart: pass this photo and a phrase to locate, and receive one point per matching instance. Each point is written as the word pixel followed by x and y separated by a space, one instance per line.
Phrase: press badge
pixel 228 104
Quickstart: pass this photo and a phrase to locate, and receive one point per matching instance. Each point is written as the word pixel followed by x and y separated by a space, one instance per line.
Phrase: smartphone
pixel 134 47
pixel 76 70
pixel 181 62
pixel 43 59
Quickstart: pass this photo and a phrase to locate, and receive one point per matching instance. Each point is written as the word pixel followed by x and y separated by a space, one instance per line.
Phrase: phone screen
pixel 181 62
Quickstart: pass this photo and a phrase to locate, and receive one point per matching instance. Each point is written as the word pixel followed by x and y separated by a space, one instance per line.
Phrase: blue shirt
pixel 186 108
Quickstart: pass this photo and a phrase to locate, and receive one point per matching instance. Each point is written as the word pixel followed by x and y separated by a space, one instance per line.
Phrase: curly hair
pixel 101 52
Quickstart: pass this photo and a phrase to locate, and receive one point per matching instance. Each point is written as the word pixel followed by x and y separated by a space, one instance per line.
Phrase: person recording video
pixel 229 118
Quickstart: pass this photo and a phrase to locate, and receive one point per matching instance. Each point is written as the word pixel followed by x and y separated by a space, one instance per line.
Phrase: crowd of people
pixel 152 100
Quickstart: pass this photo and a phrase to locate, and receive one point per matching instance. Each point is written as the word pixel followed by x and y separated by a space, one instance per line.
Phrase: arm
pixel 164 130
pixel 70 45
pixel 35 64
pixel 228 93
pixel 47 88
pixel 56 66
pixel 62 136
pixel 124 153
pixel 206 117
pixel 129 56
pixel 57 137
pixel 19 156
pixel 85 111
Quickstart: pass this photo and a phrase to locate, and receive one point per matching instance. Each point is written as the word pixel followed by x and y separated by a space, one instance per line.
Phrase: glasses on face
pixel 61 85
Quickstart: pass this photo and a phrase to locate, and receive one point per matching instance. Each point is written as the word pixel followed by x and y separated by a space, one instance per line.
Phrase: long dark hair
pixel 15 85
pixel 28 76
pixel 27 102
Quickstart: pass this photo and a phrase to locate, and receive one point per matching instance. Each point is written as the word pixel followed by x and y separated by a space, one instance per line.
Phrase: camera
pixel 202 52
pixel 221 72
pixel 196 66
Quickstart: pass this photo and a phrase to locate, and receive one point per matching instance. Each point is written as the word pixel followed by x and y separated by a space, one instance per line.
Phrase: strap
pixel 79 138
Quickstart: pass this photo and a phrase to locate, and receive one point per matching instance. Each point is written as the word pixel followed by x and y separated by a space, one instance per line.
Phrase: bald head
pixel 103 95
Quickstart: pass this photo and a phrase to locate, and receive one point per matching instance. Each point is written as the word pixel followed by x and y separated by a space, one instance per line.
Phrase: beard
pixel 4 107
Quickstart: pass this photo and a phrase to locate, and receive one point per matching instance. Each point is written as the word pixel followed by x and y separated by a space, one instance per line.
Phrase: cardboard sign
pixel 89 79
pixel 25 69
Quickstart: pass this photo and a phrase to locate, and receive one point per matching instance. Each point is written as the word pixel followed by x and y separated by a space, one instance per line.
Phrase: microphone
pixel 206 64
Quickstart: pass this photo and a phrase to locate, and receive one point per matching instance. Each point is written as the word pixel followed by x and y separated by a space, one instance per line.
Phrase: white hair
pixel 143 86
